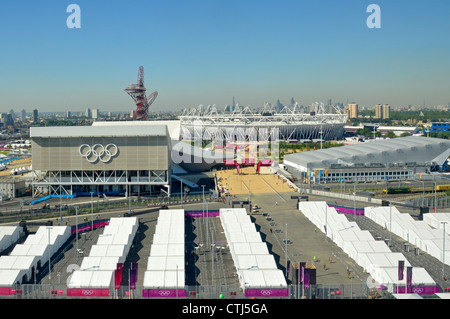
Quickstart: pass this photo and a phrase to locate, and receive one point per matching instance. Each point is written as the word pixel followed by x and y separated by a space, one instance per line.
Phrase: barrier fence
pixel 317 291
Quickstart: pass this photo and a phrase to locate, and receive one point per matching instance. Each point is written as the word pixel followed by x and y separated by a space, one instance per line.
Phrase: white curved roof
pixel 399 150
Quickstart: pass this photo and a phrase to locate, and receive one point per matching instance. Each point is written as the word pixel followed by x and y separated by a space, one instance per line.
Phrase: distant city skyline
pixel 204 52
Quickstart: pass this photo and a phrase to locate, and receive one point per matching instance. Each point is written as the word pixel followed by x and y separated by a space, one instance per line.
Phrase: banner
pixel 408 280
pixel 306 278
pixel 118 275
pixel 401 266
pixel 288 267
pixel 302 271
pixel 133 275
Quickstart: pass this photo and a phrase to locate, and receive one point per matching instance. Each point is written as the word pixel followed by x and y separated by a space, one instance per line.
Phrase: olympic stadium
pixel 243 123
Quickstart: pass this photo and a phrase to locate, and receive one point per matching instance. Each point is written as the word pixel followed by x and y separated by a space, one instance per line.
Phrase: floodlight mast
pixel 138 94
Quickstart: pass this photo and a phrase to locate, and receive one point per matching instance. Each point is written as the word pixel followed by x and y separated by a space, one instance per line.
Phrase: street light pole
pixel 390 223
pixel 76 226
pixel 92 210
pixel 203 204
pixel 286 240
pixel 49 256
pixel 443 251
pixel 435 196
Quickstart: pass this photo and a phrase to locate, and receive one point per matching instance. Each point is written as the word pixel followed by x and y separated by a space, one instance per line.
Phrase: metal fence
pixel 337 291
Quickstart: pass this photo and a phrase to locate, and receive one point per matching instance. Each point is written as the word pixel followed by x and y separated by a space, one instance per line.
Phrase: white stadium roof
pixel 399 150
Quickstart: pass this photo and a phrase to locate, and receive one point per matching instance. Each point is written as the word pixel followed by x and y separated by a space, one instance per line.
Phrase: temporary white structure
pixel 99 279
pixel 389 277
pixel 9 235
pixel 167 250
pixel 421 234
pixel 99 263
pixel 355 242
pixel 436 220
pixel 248 248
pixel 109 251
pixel 164 279
pixel 372 261
pixel 254 262
pixel 256 267
pixel 262 278
pixel 113 245
pixel 166 265
pixel 354 248
pixel 34 252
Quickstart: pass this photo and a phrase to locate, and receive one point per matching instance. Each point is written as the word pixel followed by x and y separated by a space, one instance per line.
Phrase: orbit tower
pixel 138 94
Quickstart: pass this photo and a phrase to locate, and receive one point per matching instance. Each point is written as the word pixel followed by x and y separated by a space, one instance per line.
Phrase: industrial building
pixel 378 160
pixel 104 159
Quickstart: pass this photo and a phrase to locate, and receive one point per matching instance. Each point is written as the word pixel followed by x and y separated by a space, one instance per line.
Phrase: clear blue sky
pixel 207 51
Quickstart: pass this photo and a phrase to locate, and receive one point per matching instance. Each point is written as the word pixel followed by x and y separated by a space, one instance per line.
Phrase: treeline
pixel 424 115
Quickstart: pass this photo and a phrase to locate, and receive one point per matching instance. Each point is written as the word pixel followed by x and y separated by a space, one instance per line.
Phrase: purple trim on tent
pixel 348 210
pixel 164 293
pixel 201 214
pixel 420 290
pixel 267 292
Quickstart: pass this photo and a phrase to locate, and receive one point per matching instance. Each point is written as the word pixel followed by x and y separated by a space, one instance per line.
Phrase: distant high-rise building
pixel 95 113
pixel 329 102
pixel 35 116
pixel 292 102
pixel 24 115
pixel 330 109
pixel 378 111
pixel 68 114
pixel 386 111
pixel 352 110
pixel 9 120
pixel 279 106
pixel 132 112
pixel 88 113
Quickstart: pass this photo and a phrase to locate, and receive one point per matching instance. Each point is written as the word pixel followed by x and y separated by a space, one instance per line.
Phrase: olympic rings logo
pixel 266 292
pixel 87 292
pixel 98 152
pixel 164 293
pixel 418 290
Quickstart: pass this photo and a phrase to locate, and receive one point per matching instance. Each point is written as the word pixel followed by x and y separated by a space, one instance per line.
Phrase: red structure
pixel 138 94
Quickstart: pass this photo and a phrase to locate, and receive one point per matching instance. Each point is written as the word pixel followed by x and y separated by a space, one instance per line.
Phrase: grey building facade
pixel 108 159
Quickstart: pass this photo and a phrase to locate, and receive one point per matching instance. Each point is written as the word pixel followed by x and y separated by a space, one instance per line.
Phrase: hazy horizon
pixel 206 52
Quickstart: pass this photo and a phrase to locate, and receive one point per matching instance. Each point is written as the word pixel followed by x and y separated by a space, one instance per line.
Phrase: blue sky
pixel 205 52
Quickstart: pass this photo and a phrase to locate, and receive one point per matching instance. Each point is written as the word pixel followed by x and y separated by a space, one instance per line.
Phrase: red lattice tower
pixel 138 94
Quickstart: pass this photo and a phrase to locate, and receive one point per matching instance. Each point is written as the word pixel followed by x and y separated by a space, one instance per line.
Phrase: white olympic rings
pixel 164 293
pixel 418 290
pixel 266 292
pixel 98 152
pixel 87 292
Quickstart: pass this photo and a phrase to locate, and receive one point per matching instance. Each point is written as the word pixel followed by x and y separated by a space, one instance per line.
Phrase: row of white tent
pixel 21 170
pixel 256 267
pixel 438 220
pixel 424 234
pixel 166 264
pixel 372 255
pixel 9 235
pixel 26 259
pixel 112 247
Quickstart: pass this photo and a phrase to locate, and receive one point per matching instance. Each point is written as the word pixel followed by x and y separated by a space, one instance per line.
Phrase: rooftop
pixel 399 150
pixel 98 131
